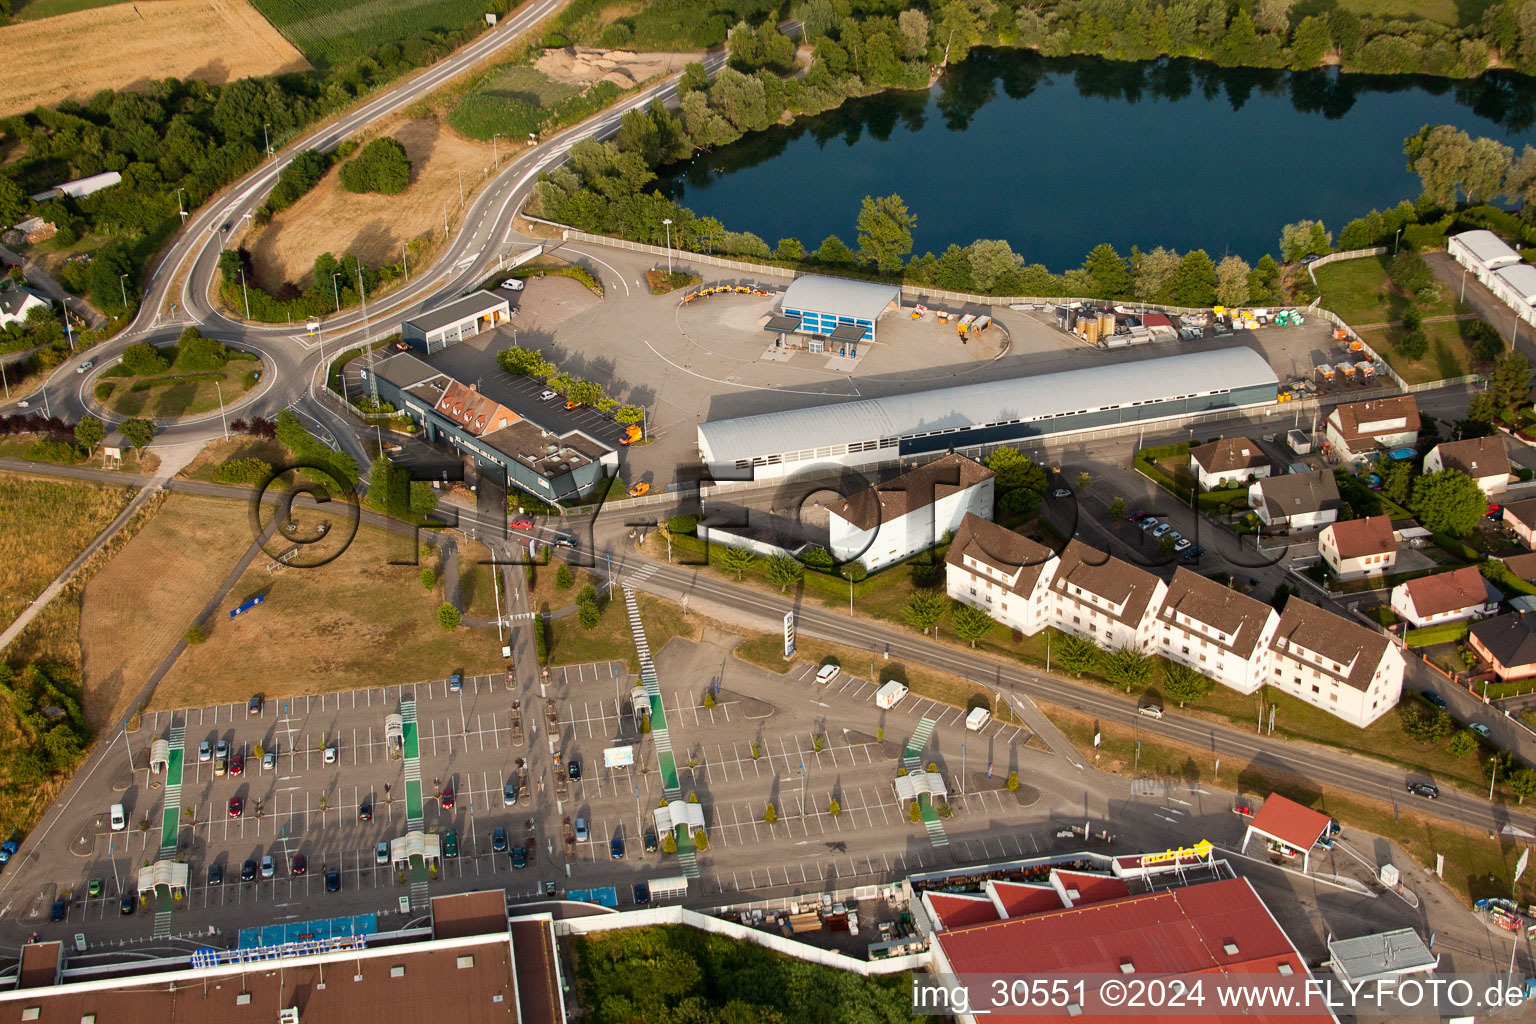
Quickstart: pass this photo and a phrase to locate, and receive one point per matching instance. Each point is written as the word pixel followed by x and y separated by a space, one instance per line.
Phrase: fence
pixel 719 926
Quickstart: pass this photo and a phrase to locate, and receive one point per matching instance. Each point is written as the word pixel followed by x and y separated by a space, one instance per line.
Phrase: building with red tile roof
pixel 1358 547
pixel 1446 597
pixel 1288 826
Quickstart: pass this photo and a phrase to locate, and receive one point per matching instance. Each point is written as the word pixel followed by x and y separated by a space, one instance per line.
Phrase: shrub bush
pixel 382 166
pixel 241 471
pixel 144 359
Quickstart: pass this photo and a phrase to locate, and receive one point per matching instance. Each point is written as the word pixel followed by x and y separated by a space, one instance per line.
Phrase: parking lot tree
pixel 627 414
pixel 885 231
pixel 1165 546
pixel 914 812
pixel 1013 782
pixel 785 571
pixel 770 814
pixel 700 840
pixel 1462 743
pixel 817 742
pixel 1448 502
pixel 563 578
pixel 1117 509
pixel 709 700
pixel 924 609
pixel 89 433
pixel 834 808
pixel 587 392
pixel 757 750
pixel 448 616
pixel 561 383
pixel 1015 469
pixel 1075 654
pixel 1511 380
pixel 1084 480
pixel 1233 281
pixel 1184 684
pixel 138 432
pixel 736 560
pixel 970 623
pixel 1129 668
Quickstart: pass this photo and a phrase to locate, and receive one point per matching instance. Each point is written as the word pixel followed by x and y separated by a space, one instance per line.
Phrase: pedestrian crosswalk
pixel 920 736
pixel 686 858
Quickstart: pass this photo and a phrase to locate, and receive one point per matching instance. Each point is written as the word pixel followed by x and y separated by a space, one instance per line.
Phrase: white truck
pixel 889 695
pixel 977 719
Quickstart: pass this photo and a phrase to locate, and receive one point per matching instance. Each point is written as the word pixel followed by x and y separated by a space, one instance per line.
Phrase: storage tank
pixel 1106 325
pixel 1090 331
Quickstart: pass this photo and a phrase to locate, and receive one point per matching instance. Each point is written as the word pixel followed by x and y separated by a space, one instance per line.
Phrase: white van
pixel 977 719
pixel 827 673
pixel 119 819
pixel 889 695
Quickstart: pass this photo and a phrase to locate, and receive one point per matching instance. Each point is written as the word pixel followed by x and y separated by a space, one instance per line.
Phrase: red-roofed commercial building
pixel 1213 928
pixel 1289 827
pixel 1016 899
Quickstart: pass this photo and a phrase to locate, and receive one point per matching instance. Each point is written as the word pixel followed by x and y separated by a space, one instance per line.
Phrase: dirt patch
pixel 137 607
pixel 372 226
pixel 355 622
pixel 580 65
pixel 60 58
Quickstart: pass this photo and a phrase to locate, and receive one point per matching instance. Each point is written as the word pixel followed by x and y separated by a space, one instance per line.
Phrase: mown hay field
pixel 47 523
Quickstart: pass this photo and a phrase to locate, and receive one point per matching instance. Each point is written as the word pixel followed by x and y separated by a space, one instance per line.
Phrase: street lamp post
pixel 336 290
pixel 1394 240
pixel 404 265
pixel 123 287
pixel 245 294
pixel 218 386
pixel 180 204
pixel 667 221
pixel 265 140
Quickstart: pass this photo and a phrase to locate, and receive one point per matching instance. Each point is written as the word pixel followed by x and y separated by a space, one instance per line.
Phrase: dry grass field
pixel 47 523
pixel 373 226
pixel 141 603
pixel 355 622
pixel 75 55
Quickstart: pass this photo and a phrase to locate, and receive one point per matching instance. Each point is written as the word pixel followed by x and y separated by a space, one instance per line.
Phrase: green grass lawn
pixel 32 10
pixel 517 100
pixel 1448 356
pixel 1447 12
pixel 1358 291
pixel 331 32
pixel 172 395
pixel 611 639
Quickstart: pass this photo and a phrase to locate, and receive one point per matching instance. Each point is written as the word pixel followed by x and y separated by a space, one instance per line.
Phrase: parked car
pixel 451 843
pixel 204 751
pixel 381 853
pixel 1136 517
pixel 1480 729
pixel 60 909
pixel 1182 544
pixel 574 770
pixel 455 683
pixel 642 894
pixel 1175 536
pixel 513 284
pixel 581 830
pixel 519 857
pixel 333 881
pixel 221 749
pixel 1495 512
pixel 522 523
pixel 509 794
pixel 237 765
pixel 1190 554
pixel 269 761
pixel 499 841
pixel 268 867
pixel 248 871
pixel 1061 492
pixel 650 842
pixel 1425 789
pixel 571 404
pixel 330 754
pixel 127 905
pixel 254 707
pixel 1435 699
pixel 446 800
pixel 546 395
pixel 1150 710
pixel 236 806
pixel 215 874
pixel 616 848
pixel 93 889
pixel 119 818
pixel 1160 529
pixel 365 811
pixel 300 865
pixel 641 488
pixel 1148 523
pixel 827 673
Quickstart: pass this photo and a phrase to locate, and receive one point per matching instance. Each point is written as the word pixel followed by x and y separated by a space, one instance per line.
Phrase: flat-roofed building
pixel 437 328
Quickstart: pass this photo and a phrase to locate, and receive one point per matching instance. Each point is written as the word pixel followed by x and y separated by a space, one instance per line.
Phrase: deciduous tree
pixel 923 609
pixel 1232 281
pixel 1511 380
pixel 885 231
pixel 971 624
pixel 1448 502
pixel 89 432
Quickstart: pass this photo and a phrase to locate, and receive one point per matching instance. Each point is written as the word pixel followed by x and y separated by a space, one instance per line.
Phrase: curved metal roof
pixel 974 405
pixel 840 296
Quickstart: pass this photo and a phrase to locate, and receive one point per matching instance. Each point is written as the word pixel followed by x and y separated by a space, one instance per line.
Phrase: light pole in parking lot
pixel 463 719
pixel 667 221
pixel 336 290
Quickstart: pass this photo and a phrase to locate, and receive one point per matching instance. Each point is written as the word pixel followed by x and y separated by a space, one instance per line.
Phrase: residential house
pixel 1104 599
pixel 16 302
pixel 1520 517
pixel 1507 643
pixel 1296 501
pixel 1006 575
pixel 1446 597
pixel 1359 547
pixel 1345 669
pixel 1522 566
pixel 894 520
pixel 1216 631
pixel 1484 459
pixel 1228 462
pixel 1361 430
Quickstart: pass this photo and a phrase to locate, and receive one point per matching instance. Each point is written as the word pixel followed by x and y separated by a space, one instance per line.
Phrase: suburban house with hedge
pixel 1507 643
pixel 1358 547
pixel 1520 517
pixel 1228 462
pixel 888 522
pixel 1446 597
pixel 1484 459
pixel 1362 430
pixel 1216 631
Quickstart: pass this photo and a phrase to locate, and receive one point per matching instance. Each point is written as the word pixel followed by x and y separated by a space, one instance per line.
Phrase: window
pixel 1184 649
pixel 1333 697
pixel 1202 658
pixel 1316 688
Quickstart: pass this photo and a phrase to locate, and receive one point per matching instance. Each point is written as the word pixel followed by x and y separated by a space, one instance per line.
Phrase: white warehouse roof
pixel 1487 247
pixel 862 300
pixel 996 402
pixel 1521 279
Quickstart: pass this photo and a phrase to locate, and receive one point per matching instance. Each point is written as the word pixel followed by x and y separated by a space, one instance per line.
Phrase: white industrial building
pixel 1493 262
pixel 436 329
pixel 975 417
pixel 844 310
pixel 1516 287
pixel 886 523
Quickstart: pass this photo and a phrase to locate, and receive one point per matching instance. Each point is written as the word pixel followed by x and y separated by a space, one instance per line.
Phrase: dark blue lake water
pixel 1058 155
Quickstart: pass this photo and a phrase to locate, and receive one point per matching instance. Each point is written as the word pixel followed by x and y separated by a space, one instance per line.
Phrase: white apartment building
pixel 1216 631
pixel 1104 599
pixel 1004 574
pixel 1345 669
pixel 894 520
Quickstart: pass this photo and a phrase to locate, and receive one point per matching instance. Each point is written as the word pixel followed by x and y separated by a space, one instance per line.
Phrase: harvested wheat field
pixel 47 523
pixel 140 603
pixel 372 226
pixel 355 622
pixel 61 58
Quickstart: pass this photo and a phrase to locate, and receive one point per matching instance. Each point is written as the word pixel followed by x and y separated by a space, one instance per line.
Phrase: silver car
pixel 1161 529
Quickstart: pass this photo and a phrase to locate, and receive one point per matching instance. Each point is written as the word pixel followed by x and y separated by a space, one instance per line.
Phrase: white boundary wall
pixel 719 926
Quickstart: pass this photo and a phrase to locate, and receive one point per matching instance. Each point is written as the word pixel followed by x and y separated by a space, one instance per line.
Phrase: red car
pixel 522 523
pixel 298 864
pixel 237 765
pixel 447 800
pixel 235 806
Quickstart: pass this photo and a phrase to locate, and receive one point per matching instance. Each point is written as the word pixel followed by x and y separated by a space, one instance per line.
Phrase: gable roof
pixel 1237 615
pixel 1523 566
pixel 1016 899
pixel 1294 824
pixel 1320 633
pixel 1447 591
pixel 1356 538
pixel 1511 639
pixel 911 491
pixel 1002 549
pixel 956 910
pixel 1523 511
pixel 1110 578
pixel 475 304
pixel 1296 494
pixel 1229 454
pixel 1355 421
pixel 1477 457
pixel 473 412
